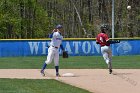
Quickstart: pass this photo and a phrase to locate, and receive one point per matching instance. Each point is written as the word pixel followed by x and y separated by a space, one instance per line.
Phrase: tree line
pixel 25 19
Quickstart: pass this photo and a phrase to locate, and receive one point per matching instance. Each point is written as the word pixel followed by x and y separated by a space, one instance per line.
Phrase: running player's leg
pixel 110 60
pixel 105 54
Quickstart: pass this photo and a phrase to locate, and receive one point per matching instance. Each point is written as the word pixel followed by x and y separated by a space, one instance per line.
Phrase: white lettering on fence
pixel 68 48
pixel 87 49
pixel 34 46
pixel 97 47
pixel 75 47
pixel 44 47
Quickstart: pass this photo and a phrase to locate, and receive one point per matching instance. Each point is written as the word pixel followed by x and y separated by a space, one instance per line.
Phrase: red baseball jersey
pixel 102 39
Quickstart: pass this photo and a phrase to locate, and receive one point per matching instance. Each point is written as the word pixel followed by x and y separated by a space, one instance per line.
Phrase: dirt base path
pixel 94 80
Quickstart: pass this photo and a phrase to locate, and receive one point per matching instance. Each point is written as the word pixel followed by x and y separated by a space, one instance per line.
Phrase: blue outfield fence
pixel 76 47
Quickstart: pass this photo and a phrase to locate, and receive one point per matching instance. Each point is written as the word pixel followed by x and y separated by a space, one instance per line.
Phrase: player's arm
pixel 113 41
pixel 53 33
pixel 97 41
pixel 61 46
pixel 106 38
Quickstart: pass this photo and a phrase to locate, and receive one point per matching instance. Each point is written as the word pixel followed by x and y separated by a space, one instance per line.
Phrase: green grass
pixel 73 62
pixel 36 86
pixel 53 86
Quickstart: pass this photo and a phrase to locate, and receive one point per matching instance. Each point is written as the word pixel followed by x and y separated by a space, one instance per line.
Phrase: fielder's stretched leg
pixel 48 61
pixel 43 68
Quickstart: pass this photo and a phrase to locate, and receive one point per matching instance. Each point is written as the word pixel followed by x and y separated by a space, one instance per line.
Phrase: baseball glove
pixel 65 54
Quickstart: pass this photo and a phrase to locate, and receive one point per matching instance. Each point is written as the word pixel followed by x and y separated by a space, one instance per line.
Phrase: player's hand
pixel 65 54
pixel 118 41
pixel 97 43
pixel 55 30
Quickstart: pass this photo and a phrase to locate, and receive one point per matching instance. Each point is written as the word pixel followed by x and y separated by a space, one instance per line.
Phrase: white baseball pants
pixel 53 55
pixel 107 55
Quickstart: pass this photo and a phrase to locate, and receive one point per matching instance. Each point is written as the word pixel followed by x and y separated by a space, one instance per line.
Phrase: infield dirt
pixel 94 80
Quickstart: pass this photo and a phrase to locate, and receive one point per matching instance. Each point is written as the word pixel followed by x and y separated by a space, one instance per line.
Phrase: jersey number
pixel 101 39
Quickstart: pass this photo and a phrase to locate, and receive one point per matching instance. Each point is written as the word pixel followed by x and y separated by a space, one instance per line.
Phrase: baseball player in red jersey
pixel 103 39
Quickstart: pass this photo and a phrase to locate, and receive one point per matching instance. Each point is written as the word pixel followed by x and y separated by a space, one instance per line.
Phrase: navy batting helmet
pixel 59 26
pixel 104 27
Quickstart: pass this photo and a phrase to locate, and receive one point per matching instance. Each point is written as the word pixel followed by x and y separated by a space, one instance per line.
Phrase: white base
pixel 68 75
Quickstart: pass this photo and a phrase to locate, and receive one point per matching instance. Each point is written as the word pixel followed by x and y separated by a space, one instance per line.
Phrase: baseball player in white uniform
pixel 53 50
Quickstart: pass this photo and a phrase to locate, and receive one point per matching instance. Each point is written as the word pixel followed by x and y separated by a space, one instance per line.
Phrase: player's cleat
pixel 58 75
pixel 110 71
pixel 42 72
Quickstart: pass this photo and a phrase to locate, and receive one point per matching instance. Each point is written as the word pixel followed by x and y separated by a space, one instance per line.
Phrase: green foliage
pixel 36 18
pixel 22 19
pixel 9 19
